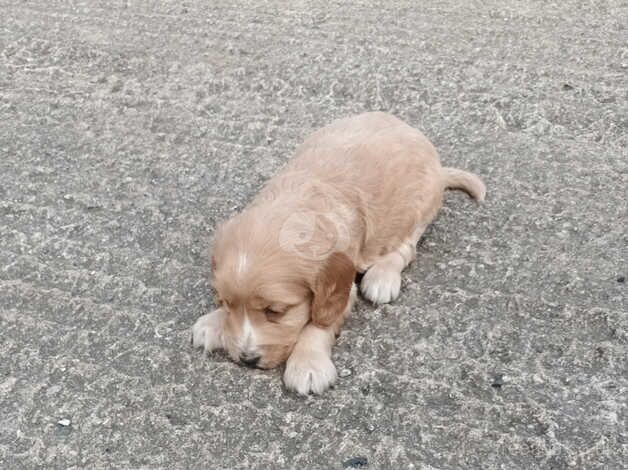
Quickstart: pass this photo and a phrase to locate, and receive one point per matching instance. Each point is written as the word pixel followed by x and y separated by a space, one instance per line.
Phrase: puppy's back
pixel 384 167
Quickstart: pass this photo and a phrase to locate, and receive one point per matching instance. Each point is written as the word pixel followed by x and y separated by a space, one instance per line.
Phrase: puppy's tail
pixel 453 178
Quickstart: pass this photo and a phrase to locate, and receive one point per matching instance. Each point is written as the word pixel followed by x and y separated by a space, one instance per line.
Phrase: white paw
pixel 207 331
pixel 309 372
pixel 381 284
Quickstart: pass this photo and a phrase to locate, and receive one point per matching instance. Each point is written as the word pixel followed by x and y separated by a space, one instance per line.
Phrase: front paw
pixel 207 331
pixel 309 372
pixel 381 284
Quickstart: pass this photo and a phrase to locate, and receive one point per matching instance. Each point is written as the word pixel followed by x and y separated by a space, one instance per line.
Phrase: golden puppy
pixel 357 196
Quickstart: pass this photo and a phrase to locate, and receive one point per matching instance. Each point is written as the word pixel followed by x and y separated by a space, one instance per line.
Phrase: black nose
pixel 249 360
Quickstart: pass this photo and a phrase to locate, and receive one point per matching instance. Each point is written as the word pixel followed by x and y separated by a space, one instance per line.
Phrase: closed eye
pixel 223 303
pixel 272 314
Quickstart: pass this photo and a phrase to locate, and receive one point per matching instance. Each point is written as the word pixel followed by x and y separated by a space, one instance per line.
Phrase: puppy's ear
pixel 332 289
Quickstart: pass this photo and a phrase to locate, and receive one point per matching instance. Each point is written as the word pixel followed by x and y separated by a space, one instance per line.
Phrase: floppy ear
pixel 332 289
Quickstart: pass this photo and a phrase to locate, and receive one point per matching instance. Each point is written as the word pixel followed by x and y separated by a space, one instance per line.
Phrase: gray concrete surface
pixel 129 129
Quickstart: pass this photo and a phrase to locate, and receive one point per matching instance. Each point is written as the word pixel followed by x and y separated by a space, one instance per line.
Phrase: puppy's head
pixel 270 293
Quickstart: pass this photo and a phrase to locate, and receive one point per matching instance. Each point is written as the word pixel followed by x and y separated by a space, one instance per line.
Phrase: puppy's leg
pixel 207 331
pixel 382 280
pixel 309 368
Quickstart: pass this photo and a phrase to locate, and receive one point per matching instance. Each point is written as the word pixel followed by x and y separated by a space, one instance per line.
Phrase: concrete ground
pixel 129 129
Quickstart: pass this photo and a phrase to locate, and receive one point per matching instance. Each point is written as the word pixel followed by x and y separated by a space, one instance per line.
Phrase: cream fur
pixel 356 196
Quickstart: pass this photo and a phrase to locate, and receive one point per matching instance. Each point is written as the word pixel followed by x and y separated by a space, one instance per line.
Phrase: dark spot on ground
pixel 355 462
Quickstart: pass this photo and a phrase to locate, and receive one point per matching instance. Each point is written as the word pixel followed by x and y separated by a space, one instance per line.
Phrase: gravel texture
pixel 128 129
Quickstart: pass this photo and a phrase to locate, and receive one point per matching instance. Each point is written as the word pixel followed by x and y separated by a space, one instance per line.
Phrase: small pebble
pixel 498 381
pixel 115 84
pixel 64 422
pixel 355 462
pixel 345 373
pixel 621 279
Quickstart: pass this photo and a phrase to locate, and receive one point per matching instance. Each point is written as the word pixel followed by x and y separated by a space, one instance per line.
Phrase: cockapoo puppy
pixel 356 197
